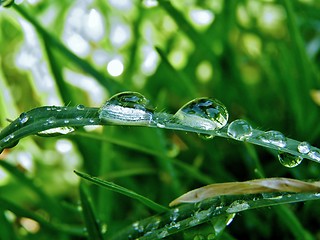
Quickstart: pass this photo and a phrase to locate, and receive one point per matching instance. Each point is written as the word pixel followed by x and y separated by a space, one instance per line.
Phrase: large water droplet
pixel 315 155
pixel 273 137
pixel 289 160
pixel 239 129
pixel 203 113
pixel 56 131
pixel 127 108
pixel 304 147
pixel 23 118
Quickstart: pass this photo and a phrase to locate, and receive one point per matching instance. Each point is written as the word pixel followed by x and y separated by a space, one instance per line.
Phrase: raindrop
pixel 273 137
pixel 238 206
pixel 175 215
pixel 79 118
pixel 23 118
pixel 203 113
pixel 51 120
pixel 206 136
pixel 80 107
pixel 127 108
pixel 315 155
pixel 239 129
pixel 304 147
pixel 56 131
pixel 289 160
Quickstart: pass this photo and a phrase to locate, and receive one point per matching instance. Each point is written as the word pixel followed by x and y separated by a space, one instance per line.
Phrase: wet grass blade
pixel 116 188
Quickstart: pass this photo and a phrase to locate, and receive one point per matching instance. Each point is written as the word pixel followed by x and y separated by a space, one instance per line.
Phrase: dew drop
pixel 203 113
pixel 273 137
pixel 206 136
pixel 239 129
pixel 23 118
pixel 80 107
pixel 304 147
pixel 315 155
pixel 127 108
pixel 79 118
pixel 51 120
pixel 56 131
pixel 288 160
pixel 238 206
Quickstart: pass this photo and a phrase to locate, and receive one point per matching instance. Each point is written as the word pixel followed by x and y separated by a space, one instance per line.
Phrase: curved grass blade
pixel 116 188
pixel 89 217
pixel 51 225
pixel 263 185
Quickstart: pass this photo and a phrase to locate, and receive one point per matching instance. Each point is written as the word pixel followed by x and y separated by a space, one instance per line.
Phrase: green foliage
pixel 261 59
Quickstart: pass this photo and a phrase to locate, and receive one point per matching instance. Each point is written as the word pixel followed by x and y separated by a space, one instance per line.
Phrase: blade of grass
pixel 116 188
pixel 108 83
pixel 57 227
pixel 6 227
pixel 187 216
pixel 89 217
pixel 49 203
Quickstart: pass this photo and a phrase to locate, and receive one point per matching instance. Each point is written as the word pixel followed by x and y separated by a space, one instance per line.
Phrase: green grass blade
pixel 191 215
pixel 89 217
pixel 55 226
pixel 50 204
pixel 109 84
pixel 116 188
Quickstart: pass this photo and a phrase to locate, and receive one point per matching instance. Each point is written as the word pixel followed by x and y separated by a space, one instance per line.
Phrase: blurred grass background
pixel 260 58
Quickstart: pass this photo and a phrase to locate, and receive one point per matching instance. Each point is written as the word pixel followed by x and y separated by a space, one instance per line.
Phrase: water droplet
pixel 239 129
pixel 175 215
pixel 23 118
pixel 206 136
pixel 273 137
pixel 162 234
pixel 137 227
pixel 203 113
pixel 79 118
pixel 199 237
pixel 51 120
pixel 91 120
pixel 66 121
pixel 315 155
pixel 8 138
pixel 80 107
pixel 238 206
pixel 127 108
pixel 56 131
pixel 304 147
pixel 289 160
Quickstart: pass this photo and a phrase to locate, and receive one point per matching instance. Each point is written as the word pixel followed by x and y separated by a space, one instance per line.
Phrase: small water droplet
pixel 203 113
pixel 23 118
pixel 56 131
pixel 238 206
pixel 91 120
pixel 239 129
pixel 127 108
pixel 206 136
pixel 51 120
pixel 315 155
pixel 8 138
pixel 175 215
pixel 289 160
pixel 304 147
pixel 137 227
pixel 80 107
pixel 79 118
pixel 162 234
pixel 66 121
pixel 273 137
